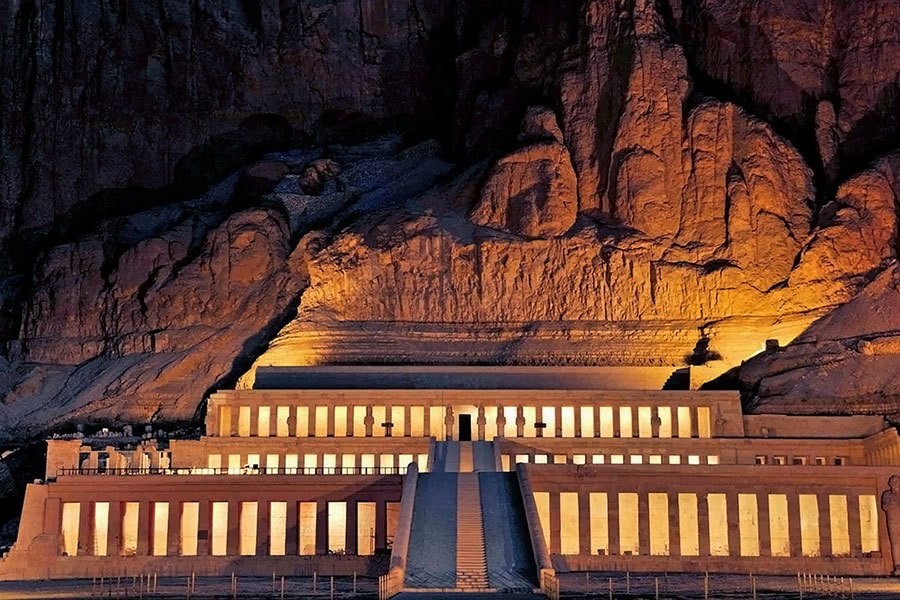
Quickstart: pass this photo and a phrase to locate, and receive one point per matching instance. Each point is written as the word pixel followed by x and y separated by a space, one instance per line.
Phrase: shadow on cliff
pixel 205 164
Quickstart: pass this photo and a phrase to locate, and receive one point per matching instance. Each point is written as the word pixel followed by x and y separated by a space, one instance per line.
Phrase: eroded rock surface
pixel 654 183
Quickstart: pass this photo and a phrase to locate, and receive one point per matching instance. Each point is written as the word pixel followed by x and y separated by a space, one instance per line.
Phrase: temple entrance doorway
pixel 465 428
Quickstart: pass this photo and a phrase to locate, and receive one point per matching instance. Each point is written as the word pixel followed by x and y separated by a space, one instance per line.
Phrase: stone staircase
pixel 471 562
pixel 451 548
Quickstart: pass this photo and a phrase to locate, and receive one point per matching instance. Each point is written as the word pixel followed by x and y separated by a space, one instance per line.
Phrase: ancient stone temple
pixel 471 478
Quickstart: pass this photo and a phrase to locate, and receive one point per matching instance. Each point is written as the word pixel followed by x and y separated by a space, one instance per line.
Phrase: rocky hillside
pixel 191 190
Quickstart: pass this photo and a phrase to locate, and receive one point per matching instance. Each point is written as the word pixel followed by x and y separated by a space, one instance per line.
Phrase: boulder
pixel 531 193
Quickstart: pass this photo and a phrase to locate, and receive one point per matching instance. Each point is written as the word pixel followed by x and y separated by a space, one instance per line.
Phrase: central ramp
pixel 468 532
pixel 510 560
pixel 431 561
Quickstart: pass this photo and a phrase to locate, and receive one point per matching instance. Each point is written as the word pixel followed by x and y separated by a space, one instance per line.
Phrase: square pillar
pixel 351 542
pixel 584 521
pixel 674 523
pixel 254 421
pixel 292 531
pixel 235 419
pixel 204 548
pixel 793 502
pixel 143 541
pixel 173 535
pixel 234 528
pixel 86 529
pixel 322 527
pixel 262 528
pixel 643 523
pixel 854 525
pixel 824 524
pixel 380 525
pixel 734 532
pixel 765 534
pixel 703 523
pixel 613 501
pixel 115 528
pixel 554 543
pixel 616 423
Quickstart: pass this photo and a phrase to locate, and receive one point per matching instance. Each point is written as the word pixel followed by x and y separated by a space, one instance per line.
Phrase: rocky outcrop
pixel 676 182
pixel 531 192
pixel 847 362
pixel 100 95
pixel 779 55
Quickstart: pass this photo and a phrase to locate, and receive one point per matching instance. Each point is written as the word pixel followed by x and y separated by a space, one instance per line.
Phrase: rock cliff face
pixel 650 182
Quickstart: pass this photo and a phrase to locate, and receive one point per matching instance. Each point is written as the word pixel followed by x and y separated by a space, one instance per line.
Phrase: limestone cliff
pixel 647 182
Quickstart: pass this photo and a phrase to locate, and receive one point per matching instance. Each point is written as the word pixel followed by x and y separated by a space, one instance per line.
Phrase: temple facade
pixel 470 478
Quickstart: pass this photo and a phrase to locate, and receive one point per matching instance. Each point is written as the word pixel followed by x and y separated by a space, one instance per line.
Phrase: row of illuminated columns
pixel 510 460
pixel 327 464
pixel 488 421
pixel 226 528
pixel 886 455
pixel 711 524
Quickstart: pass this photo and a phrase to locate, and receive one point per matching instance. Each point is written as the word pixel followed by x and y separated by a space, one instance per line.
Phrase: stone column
pixel 322 527
pixel 613 501
pixel 86 529
pixel 854 525
pixel 501 422
pixel 380 525
pixel 695 423
pixel 481 422
pixel 173 542
pixel 234 528
pixel 554 542
pixel 115 528
pixel 273 421
pixel 584 523
pixel 558 427
pixel 144 516
pixel 351 543
pixel 204 529
pixel 793 502
pixel 292 421
pixel 643 523
pixel 369 421
pixel 235 419
pixel 520 421
pixel 675 431
pixel 292 532
pixel 262 528
pixel 734 532
pixel 703 523
pixel 765 535
pixel 616 423
pixel 254 421
pixel 674 524
pixel 655 421
pixel 449 422
pixel 890 504
pixel 824 524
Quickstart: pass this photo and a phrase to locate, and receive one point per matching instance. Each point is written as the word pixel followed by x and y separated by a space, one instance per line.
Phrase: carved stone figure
pixel 890 504
pixel 449 421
